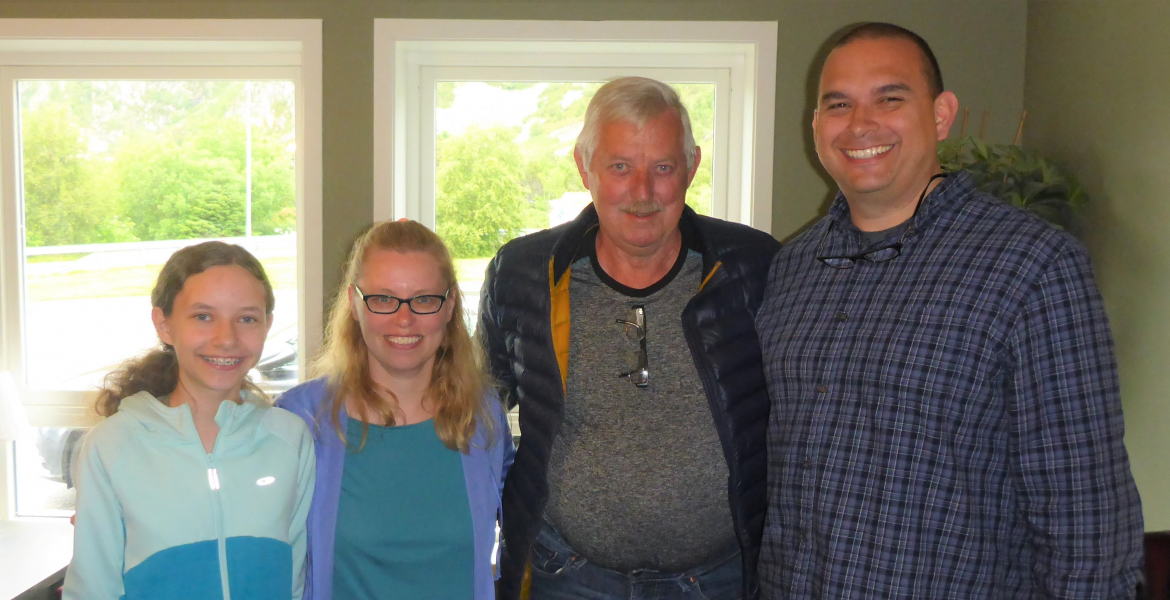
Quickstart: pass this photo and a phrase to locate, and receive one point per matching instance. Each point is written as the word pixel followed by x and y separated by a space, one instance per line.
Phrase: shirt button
pixel 807 463
pixel 822 389
pixel 842 316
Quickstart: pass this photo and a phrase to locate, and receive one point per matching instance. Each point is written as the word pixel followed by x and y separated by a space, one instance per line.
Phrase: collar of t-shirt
pixel 588 248
pixel 873 237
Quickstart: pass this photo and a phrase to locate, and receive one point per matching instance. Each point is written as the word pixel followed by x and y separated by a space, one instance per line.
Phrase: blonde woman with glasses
pixel 412 446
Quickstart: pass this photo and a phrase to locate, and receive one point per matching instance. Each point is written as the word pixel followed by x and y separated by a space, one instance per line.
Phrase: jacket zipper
pixel 217 512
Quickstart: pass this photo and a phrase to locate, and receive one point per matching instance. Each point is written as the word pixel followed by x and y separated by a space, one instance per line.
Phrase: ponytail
pixel 156 372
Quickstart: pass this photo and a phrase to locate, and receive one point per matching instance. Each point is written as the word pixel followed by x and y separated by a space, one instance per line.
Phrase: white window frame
pixel 410 55
pixel 284 49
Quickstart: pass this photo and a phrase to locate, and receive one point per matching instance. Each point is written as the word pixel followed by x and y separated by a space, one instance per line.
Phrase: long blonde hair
pixel 157 371
pixel 457 379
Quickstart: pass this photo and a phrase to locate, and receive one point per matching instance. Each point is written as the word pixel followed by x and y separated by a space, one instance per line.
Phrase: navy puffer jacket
pixel 524 327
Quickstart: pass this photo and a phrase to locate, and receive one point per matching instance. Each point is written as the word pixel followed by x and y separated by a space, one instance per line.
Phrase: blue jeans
pixel 559 573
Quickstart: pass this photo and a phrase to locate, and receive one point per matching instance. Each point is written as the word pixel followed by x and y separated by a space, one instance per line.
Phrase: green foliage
pixel 547 177
pixel 121 161
pixel 170 193
pixel 699 98
pixel 479 193
pixel 494 183
pixel 1018 177
pixel 67 198
pixel 560 110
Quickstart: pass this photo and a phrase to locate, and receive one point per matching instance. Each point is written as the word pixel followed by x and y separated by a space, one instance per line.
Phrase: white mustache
pixel 642 208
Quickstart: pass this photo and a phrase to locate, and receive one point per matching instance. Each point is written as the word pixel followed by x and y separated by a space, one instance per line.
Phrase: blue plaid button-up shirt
pixel 946 424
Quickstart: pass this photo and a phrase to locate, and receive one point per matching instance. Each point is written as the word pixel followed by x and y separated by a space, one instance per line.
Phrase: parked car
pixel 59 448
pixel 278 363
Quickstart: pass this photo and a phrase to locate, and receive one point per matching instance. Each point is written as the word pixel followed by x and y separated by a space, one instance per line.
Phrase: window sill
pixel 33 553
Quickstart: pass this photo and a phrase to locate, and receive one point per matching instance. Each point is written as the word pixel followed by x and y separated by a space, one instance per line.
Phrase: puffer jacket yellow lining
pixel 559 293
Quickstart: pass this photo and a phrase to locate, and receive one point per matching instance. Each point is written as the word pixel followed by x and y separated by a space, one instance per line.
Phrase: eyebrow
pixel 833 96
pixel 885 89
pixel 202 306
pixel 390 292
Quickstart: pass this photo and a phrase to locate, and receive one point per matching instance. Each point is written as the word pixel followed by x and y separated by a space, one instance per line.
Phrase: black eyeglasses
pixel 874 255
pixel 381 304
pixel 636 330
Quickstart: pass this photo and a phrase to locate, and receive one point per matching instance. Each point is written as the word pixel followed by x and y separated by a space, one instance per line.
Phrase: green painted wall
pixel 1098 79
pixel 980 45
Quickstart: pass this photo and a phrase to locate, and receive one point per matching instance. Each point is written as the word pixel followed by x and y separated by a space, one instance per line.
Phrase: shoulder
pixel 743 251
pixel 112 434
pixel 521 253
pixel 304 399
pixel 544 238
pixel 285 426
pixel 1018 236
pixel 495 407
pixel 725 239
pixel 124 422
pixel 493 419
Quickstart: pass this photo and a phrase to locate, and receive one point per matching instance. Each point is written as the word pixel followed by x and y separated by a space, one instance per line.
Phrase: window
pixel 462 102
pixel 123 141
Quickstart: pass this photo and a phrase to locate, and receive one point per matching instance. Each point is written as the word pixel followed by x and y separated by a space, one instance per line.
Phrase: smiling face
pixel 217 326
pixel 876 125
pixel 638 179
pixel 401 345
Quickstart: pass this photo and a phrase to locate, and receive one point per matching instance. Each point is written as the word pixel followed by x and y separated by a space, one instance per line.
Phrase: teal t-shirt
pixel 403 523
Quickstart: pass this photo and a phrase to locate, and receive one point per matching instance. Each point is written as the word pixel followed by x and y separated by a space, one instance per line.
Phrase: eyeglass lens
pixel 425 304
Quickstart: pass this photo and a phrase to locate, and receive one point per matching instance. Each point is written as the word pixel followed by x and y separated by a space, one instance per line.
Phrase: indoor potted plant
pixel 1017 176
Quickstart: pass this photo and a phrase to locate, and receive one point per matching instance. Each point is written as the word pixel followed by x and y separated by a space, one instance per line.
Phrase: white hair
pixel 633 100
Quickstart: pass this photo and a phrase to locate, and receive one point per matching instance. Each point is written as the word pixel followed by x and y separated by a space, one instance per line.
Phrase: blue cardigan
pixel 484 469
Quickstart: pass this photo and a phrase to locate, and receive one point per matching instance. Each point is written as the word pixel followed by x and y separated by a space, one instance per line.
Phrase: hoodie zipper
pixel 217 512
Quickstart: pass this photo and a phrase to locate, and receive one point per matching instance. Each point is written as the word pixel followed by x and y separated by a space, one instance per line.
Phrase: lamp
pixel 13 420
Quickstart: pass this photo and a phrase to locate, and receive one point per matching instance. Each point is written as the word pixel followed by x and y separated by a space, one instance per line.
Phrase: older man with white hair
pixel 626 337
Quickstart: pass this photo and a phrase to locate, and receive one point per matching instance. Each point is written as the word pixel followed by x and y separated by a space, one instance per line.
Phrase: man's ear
pixel 695 166
pixel 816 112
pixel 161 327
pixel 946 108
pixel 581 168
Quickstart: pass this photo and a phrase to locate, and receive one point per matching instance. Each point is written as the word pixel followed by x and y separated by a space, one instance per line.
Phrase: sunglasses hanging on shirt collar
pixel 875 255
pixel 636 330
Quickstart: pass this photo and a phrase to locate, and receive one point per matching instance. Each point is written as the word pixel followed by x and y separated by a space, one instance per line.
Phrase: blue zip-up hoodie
pixel 159 518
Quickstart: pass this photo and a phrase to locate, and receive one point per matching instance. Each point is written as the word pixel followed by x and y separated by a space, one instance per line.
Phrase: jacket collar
pixel 567 248
pixel 177 423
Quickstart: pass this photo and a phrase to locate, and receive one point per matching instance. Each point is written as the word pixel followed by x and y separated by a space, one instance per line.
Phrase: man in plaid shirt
pixel 946 421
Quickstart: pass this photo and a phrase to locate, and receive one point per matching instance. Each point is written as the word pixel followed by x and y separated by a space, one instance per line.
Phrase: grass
pixel 130 281
pixel 47 258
